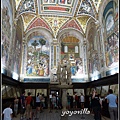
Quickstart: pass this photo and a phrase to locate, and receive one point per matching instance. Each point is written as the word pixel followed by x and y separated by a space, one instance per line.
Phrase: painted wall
pixel 37 57
pixel 111 34
pixel 6 34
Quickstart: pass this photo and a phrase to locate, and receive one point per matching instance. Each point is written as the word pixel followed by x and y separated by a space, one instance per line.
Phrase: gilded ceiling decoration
pixel 57 13
pixel 55 23
pixel 86 8
pixel 72 24
pixel 38 22
pixel 27 6
pixel 27 18
pixel 97 4
pixel 62 7
pixel 17 3
pixel 83 21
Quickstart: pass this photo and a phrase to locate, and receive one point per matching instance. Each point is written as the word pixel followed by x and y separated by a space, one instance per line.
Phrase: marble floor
pixel 56 115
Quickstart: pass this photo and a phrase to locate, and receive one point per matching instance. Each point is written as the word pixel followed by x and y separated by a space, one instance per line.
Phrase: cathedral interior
pixel 39 35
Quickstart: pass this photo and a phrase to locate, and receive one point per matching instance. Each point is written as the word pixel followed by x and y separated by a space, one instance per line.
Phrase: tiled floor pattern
pixel 56 115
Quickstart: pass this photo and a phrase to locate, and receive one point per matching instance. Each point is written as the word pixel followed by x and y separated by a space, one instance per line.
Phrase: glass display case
pixel 10 93
pixel 42 91
pixel 98 89
pixel 88 91
pixel 32 91
pixel 79 91
pixel 70 91
pixel 18 92
pixel 114 88
pixel 4 92
pixel 91 90
pixel 14 91
pixel 104 90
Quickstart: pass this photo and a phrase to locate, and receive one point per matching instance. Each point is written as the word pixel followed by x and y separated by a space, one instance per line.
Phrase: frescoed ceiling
pixel 57 14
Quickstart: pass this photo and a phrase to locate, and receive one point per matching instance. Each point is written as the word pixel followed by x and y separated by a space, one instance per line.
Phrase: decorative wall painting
pixel 6 31
pixel 38 57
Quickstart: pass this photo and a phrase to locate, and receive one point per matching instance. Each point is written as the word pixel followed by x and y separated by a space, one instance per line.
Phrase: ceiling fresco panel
pixel 17 3
pixel 38 22
pixel 27 6
pixel 72 24
pixel 61 7
pixel 83 21
pixel 86 8
pixel 55 23
pixel 97 4
pixel 27 18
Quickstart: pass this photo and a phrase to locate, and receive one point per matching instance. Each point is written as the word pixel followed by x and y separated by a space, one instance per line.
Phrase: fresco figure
pixel 41 70
pixel 29 69
pixel 73 69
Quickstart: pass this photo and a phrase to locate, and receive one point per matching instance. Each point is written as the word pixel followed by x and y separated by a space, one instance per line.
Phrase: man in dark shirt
pixel 96 105
pixel 22 101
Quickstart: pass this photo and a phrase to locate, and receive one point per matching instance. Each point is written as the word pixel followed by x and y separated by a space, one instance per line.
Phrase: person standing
pixel 7 112
pixel 82 100
pixel 112 100
pixel 22 101
pixel 16 106
pixel 96 105
pixel 28 102
pixel 38 102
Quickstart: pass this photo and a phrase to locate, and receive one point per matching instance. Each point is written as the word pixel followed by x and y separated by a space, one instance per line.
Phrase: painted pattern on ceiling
pixel 72 24
pixel 97 4
pixel 62 7
pixel 55 23
pixel 38 22
pixel 27 18
pixel 50 10
pixel 83 21
pixel 86 8
pixel 27 6
pixel 17 3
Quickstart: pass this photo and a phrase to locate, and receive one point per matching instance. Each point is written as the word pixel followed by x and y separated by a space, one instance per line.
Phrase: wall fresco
pixel 6 31
pixel 111 43
pixel 38 57
pixel 73 58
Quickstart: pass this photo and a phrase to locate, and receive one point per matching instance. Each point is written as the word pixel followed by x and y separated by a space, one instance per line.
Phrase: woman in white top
pixel 38 102
pixel 82 100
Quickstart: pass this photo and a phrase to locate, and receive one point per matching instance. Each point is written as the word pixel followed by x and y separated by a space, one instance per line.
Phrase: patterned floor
pixel 56 115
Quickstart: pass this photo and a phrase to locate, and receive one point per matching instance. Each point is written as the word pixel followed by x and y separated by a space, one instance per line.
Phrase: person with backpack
pixel 28 103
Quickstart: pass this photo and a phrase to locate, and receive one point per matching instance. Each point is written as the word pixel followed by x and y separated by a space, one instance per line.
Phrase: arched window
pixel 65 49
pixel 76 49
